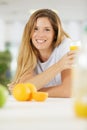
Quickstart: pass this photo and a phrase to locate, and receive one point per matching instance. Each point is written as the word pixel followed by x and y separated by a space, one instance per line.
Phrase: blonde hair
pixel 28 54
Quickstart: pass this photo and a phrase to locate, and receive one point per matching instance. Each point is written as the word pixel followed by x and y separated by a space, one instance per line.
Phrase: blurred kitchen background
pixel 14 15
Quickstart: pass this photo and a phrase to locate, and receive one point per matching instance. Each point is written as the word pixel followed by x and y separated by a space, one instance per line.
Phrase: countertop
pixel 52 114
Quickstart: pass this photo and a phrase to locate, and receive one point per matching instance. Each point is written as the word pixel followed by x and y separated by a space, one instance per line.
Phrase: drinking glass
pixel 75 45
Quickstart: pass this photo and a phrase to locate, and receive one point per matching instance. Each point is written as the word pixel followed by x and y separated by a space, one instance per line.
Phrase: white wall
pixel 72 13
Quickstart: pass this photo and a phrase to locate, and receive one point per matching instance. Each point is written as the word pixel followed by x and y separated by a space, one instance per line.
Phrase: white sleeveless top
pixel 56 55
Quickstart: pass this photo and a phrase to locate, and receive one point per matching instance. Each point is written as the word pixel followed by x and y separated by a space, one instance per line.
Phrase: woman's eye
pixel 47 29
pixel 35 29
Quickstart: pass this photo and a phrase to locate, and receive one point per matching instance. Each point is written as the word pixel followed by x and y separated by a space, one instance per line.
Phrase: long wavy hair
pixel 28 54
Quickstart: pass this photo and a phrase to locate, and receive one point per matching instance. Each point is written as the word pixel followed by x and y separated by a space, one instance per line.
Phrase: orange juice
pixel 80 109
pixel 73 47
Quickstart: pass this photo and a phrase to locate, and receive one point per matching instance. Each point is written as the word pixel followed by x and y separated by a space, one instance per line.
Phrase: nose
pixel 40 33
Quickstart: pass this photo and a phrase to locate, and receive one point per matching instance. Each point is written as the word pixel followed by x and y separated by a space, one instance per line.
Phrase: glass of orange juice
pixel 79 92
pixel 79 84
pixel 75 45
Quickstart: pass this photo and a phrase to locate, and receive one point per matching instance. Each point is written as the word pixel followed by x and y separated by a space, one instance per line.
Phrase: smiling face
pixel 43 34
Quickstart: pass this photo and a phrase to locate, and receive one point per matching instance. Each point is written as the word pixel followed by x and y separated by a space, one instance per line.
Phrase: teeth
pixel 40 41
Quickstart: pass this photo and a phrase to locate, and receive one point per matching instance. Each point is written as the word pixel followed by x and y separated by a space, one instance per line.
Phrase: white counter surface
pixel 53 114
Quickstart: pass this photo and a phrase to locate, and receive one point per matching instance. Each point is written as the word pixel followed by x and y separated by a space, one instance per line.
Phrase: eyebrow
pixel 45 26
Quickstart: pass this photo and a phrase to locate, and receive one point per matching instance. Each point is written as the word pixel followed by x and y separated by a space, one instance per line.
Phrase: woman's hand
pixel 67 61
pixel 11 86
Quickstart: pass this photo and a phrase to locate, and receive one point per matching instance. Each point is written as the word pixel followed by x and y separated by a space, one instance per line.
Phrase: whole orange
pixel 21 92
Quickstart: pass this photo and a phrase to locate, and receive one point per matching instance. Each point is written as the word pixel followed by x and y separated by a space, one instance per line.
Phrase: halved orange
pixel 21 92
pixel 40 96
pixel 32 89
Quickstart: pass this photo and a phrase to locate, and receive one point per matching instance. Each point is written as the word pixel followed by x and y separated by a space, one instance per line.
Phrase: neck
pixel 44 56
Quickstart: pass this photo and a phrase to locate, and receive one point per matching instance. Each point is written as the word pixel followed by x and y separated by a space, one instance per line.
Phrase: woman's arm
pixel 45 77
pixel 63 90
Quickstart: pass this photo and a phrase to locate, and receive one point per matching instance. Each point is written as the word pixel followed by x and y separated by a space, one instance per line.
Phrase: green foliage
pixel 5 61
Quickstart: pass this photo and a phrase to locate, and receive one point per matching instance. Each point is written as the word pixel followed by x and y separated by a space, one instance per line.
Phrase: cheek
pixel 33 37
pixel 33 34
pixel 51 37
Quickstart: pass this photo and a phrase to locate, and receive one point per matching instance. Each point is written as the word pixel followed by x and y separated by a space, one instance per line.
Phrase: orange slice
pixel 40 96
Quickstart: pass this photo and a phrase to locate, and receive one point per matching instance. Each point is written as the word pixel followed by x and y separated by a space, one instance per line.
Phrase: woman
pixel 43 59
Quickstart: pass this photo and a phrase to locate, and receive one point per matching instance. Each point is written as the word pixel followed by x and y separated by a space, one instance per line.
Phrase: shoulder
pixel 66 42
